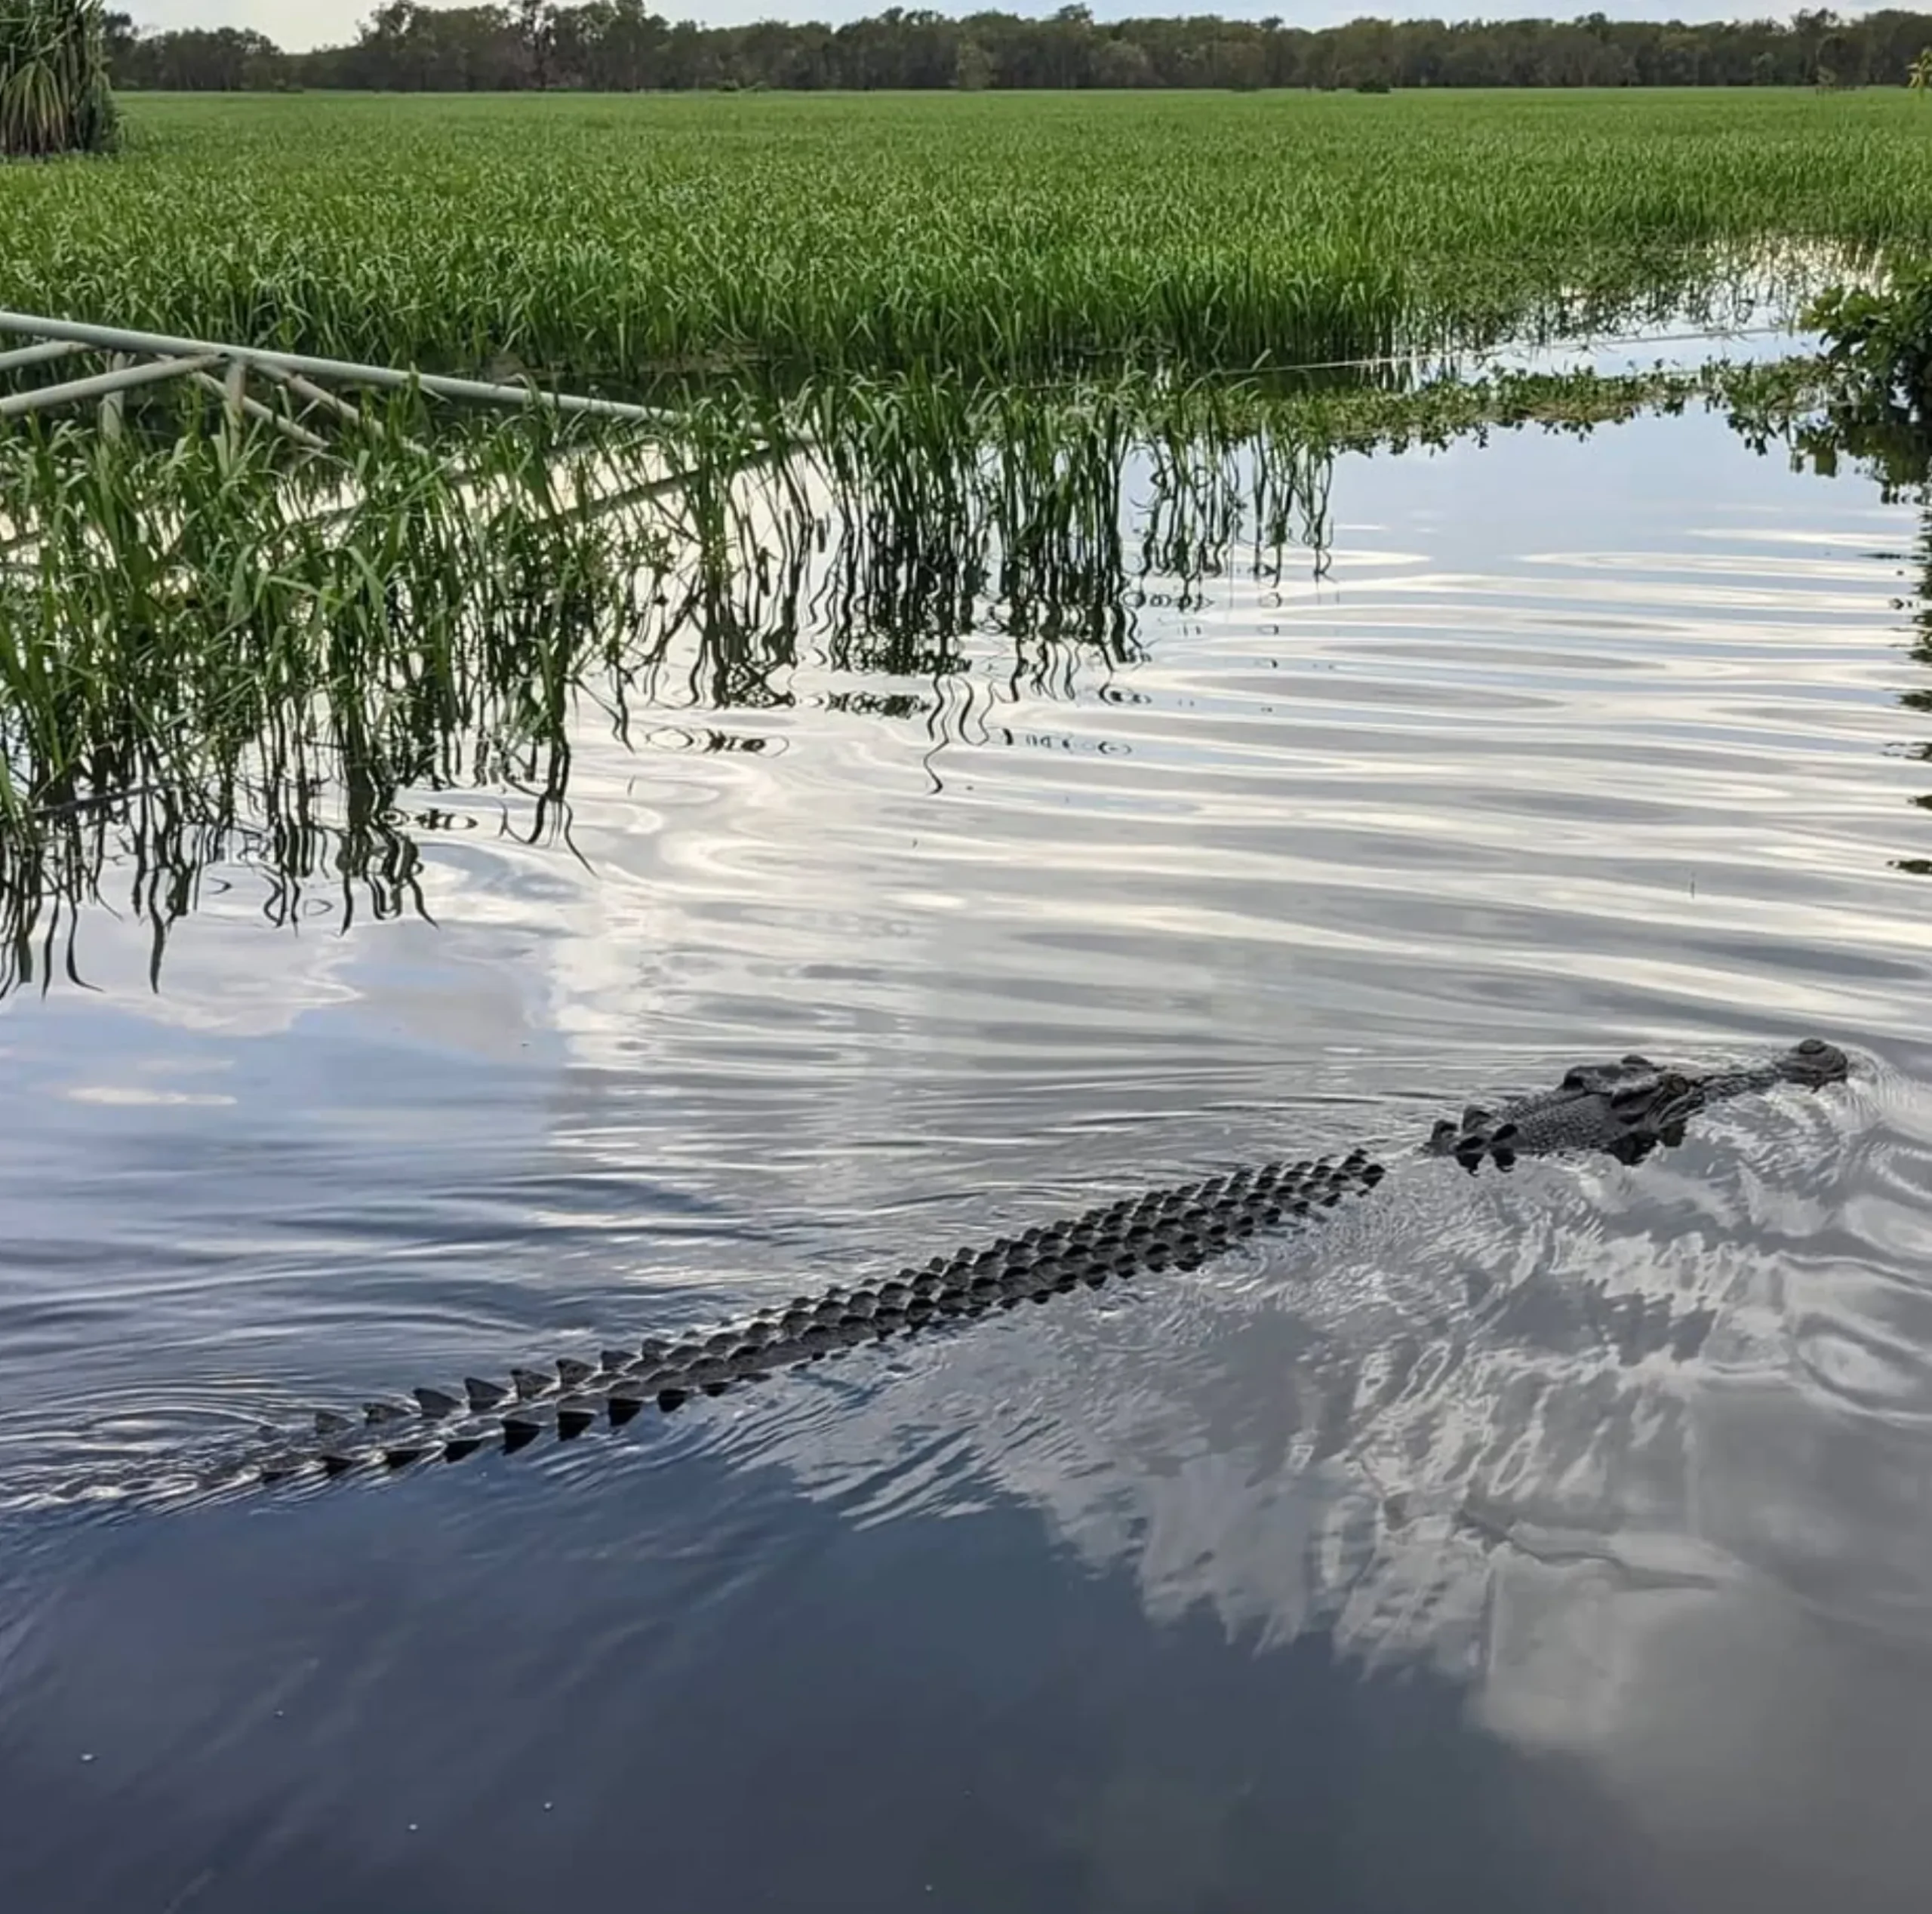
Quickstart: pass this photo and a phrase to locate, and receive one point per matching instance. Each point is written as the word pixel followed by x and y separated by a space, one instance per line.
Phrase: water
pixel 1558 1540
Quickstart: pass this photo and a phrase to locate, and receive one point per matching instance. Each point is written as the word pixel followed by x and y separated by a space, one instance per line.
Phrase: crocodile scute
pixel 1625 1109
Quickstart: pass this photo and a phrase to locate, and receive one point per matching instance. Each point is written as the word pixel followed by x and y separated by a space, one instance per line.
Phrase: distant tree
pixel 1122 64
pixel 972 67
pixel 1365 53
pixel 1239 63
pixel 202 59
pixel 536 22
pixel 621 46
pixel 117 36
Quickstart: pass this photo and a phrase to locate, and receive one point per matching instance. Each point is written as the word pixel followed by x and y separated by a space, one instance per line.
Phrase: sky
pixel 298 24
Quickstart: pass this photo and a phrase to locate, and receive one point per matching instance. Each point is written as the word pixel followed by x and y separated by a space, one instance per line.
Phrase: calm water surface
pixel 1558 1540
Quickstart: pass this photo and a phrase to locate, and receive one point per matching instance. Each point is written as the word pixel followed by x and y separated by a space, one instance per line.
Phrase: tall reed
pixel 636 243
pixel 164 607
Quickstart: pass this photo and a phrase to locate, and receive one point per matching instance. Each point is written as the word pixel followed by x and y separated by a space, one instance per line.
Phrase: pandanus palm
pixel 54 91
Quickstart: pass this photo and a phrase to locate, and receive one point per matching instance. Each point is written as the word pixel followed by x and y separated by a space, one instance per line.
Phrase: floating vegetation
pixel 1880 340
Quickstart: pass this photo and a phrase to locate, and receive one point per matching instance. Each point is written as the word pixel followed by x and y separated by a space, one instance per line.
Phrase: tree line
pixel 620 46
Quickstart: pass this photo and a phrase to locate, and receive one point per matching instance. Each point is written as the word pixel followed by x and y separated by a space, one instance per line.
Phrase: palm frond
pixel 54 97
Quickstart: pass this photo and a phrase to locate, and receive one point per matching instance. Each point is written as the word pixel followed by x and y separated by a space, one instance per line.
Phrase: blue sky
pixel 297 24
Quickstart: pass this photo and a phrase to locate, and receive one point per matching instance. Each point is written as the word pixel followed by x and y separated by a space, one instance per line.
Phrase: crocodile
pixel 1625 1109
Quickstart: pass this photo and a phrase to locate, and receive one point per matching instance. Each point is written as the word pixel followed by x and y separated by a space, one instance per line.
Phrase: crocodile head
pixel 1812 1063
pixel 1625 1109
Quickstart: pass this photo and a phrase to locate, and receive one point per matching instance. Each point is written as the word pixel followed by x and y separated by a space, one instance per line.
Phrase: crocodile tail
pixel 1179 1228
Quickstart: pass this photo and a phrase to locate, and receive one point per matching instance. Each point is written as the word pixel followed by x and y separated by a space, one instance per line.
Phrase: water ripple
pixel 1533 769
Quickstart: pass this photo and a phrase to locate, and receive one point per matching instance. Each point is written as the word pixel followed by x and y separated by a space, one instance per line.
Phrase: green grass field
pixel 906 290
pixel 615 239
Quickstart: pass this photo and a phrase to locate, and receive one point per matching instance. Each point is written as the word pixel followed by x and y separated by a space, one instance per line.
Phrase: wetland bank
pixel 1049 750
